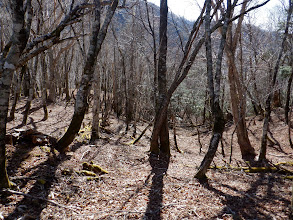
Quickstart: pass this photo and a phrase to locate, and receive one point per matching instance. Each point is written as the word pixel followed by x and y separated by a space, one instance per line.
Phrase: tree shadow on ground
pixel 159 169
pixel 32 110
pixel 31 206
pixel 23 145
pixel 250 205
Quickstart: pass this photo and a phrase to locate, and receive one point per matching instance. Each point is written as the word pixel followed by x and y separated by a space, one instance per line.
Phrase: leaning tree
pixel 19 50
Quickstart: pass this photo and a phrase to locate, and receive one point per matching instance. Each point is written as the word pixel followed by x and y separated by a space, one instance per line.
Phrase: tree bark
pixel 31 90
pixel 96 108
pixel 44 86
pixel 81 104
pixel 17 92
pixel 263 148
pixel 26 82
pixel 52 80
pixel 237 92
pixel 20 34
pixel 161 143
pixel 288 93
pixel 214 85
pixel 238 104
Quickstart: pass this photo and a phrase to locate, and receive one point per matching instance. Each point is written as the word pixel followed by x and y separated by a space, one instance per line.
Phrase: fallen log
pixel 269 169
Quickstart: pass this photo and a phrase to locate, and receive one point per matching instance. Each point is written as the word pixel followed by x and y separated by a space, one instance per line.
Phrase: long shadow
pixel 248 205
pixel 159 169
pixel 23 147
pixel 34 109
pixel 30 206
pixel 138 189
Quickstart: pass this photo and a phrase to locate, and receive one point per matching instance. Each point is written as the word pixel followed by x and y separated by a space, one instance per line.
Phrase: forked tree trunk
pixel 160 137
pixel 81 104
pixel 238 104
pixel 214 89
pixel 237 92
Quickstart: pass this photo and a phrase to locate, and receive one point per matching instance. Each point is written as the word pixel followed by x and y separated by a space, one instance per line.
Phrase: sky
pixel 189 9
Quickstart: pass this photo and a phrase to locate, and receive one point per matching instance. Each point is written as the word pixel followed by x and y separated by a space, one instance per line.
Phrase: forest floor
pixel 49 185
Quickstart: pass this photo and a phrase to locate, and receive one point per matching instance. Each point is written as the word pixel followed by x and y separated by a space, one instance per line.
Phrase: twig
pixel 231 146
pixel 35 197
pixel 198 137
pixel 174 134
pixel 142 133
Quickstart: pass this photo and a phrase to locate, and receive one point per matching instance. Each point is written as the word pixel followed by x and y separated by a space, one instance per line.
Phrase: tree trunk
pixel 237 92
pixel 44 86
pixel 20 34
pixel 81 104
pixel 238 104
pixel 160 142
pixel 263 148
pixel 52 80
pixel 214 89
pixel 96 108
pixel 17 92
pixel 288 94
pixel 31 90
pixel 26 83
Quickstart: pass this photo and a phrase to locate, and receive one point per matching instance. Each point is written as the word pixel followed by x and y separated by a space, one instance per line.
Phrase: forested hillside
pixel 121 109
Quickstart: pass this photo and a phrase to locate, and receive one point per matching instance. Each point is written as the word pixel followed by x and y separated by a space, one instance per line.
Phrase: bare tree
pixel 18 51
pixel 81 103
pixel 263 149
pixel 214 85
pixel 237 91
pixel 160 143
pixel 191 49
pixel 8 62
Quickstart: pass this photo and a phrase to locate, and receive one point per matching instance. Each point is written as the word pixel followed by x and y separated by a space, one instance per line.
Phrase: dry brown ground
pixel 134 189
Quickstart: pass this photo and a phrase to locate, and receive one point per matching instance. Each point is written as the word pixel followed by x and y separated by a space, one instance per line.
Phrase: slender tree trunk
pixel 26 83
pixel 117 100
pixel 237 92
pixel 288 94
pixel 96 108
pixel 31 90
pixel 44 86
pixel 52 80
pixel 155 66
pixel 214 85
pixel 263 148
pixel 67 66
pixel 161 142
pixel 238 103
pixel 81 104
pixel 17 92
pixel 130 88
pixel 125 88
